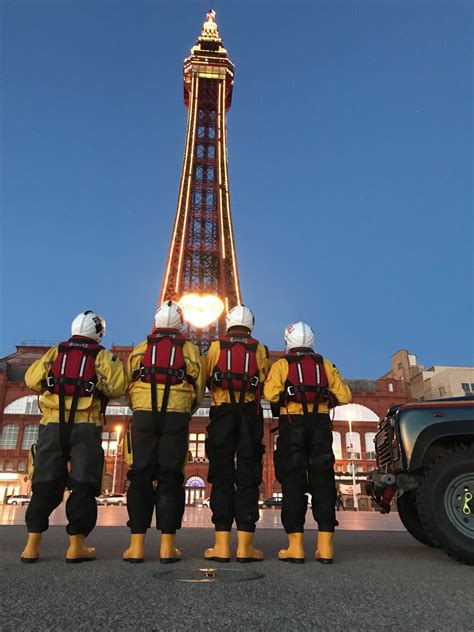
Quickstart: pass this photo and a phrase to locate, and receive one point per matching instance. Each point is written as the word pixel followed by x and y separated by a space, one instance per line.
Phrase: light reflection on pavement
pixel 200 517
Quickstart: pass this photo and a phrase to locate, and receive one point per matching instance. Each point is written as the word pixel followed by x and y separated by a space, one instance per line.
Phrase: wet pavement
pixel 381 581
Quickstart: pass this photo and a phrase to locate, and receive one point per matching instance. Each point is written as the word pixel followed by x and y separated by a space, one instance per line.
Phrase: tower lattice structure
pixel 201 258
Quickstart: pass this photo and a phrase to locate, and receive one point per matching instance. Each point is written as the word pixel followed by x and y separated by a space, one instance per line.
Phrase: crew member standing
pixel 306 386
pixel 75 380
pixel 237 366
pixel 168 383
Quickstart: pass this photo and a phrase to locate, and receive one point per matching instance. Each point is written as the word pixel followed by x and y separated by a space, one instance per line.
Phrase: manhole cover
pixel 209 575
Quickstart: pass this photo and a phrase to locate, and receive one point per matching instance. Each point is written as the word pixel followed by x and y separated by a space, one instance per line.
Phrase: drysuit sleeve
pixel 263 361
pixel 196 369
pixel 38 371
pixel 134 360
pixel 111 374
pixel 336 383
pixel 212 357
pixel 275 382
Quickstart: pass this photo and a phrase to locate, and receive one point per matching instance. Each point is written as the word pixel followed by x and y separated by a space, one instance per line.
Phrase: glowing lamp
pixel 201 310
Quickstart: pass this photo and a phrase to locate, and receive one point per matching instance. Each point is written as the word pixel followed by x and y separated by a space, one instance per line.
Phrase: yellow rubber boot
pixel 245 549
pixel 136 551
pixel 168 551
pixel 78 551
pixel 295 551
pixel 325 551
pixel 220 552
pixel 30 553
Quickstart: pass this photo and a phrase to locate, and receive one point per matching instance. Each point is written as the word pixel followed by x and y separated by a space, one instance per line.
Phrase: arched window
pixel 30 436
pixel 354 412
pixel 195 481
pixel 336 445
pixel 370 446
pixel 353 445
pixel 9 437
pixel 27 405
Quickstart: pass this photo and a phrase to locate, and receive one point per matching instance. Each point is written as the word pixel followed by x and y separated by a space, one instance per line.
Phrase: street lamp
pixel 118 430
pixel 354 493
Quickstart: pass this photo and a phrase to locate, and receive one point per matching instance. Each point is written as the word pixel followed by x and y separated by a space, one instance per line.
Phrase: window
pixel 109 443
pixel 390 387
pixel 442 391
pixel 27 405
pixel 369 446
pixel 30 436
pixel 339 468
pixel 22 466
pixel 202 412
pixel 8 466
pixel 197 444
pixel 472 387
pixel 2 466
pixel 466 388
pixel 400 365
pixel 353 445
pixel 9 437
pixel 336 445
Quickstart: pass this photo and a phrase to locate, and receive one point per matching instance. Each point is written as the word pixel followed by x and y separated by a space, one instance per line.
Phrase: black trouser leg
pixel 49 479
pixel 221 445
pixel 292 467
pixel 141 495
pixel 248 475
pixel 85 478
pixel 81 509
pixel 322 483
pixel 172 449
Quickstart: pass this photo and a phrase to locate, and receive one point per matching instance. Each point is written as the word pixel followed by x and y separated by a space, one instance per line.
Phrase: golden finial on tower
pixel 210 31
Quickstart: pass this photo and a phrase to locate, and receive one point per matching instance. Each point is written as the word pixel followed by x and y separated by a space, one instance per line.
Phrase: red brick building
pixel 20 416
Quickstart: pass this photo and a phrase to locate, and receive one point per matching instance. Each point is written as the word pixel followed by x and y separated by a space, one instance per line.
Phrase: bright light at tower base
pixel 201 309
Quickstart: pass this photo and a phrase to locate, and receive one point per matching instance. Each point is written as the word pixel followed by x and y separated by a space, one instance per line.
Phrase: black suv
pixel 425 457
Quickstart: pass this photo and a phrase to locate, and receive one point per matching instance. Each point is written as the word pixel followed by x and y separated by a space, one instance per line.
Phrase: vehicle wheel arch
pixel 438 439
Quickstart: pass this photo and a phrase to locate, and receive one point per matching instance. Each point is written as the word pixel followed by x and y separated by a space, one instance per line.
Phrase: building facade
pixel 436 382
pixel 20 417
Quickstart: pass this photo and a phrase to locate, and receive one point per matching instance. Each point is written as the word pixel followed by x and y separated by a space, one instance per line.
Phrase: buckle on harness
pixel 254 381
pixel 180 374
pixel 291 390
pixel 89 387
pixel 218 376
pixel 50 381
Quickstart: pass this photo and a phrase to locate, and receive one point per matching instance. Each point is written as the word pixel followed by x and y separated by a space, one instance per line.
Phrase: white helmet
pixel 299 335
pixel 88 324
pixel 169 315
pixel 240 316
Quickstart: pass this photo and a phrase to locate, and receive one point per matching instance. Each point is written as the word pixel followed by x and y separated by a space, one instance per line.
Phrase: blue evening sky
pixel 350 156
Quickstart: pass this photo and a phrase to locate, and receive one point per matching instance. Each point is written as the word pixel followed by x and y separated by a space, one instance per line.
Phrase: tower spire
pixel 201 271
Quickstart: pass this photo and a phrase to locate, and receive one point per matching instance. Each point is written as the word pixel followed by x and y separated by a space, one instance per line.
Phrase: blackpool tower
pixel 201 271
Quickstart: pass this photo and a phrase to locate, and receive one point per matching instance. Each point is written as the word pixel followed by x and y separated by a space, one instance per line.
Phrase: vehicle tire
pixel 445 513
pixel 408 513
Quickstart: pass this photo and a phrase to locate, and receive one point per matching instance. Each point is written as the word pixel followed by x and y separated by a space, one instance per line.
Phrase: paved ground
pixel 381 581
pixel 201 518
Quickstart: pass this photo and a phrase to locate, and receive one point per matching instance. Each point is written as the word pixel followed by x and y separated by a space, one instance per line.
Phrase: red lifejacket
pixel 163 363
pixel 163 358
pixel 307 382
pixel 236 368
pixel 73 372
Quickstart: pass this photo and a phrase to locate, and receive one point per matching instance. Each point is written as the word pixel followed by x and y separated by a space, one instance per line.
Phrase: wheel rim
pixel 459 503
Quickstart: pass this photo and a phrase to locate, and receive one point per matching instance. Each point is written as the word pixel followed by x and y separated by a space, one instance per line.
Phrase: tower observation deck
pixel 201 271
